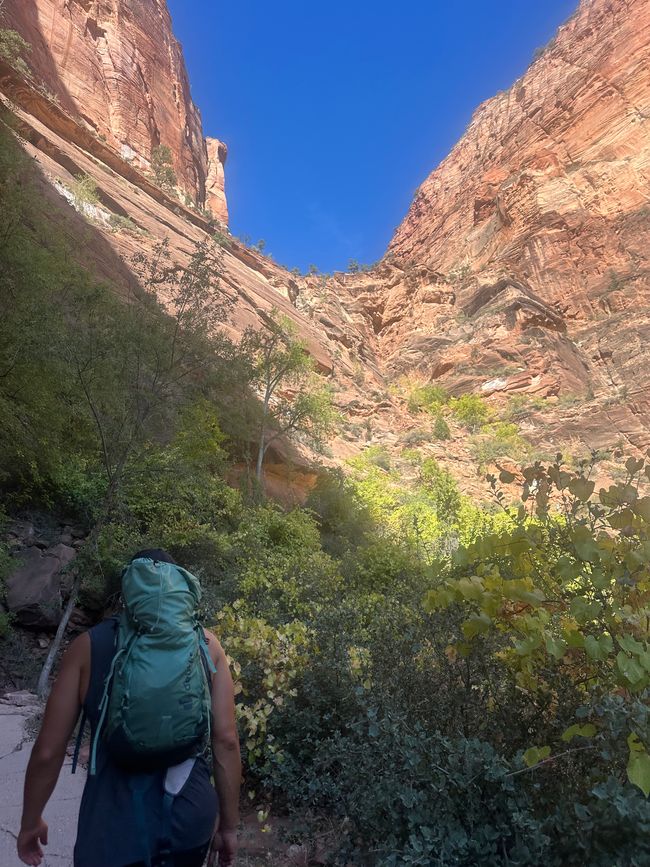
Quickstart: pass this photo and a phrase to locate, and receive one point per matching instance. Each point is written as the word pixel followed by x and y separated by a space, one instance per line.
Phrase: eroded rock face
pixel 538 222
pixel 550 178
pixel 34 588
pixel 117 65
pixel 521 268
pixel 215 187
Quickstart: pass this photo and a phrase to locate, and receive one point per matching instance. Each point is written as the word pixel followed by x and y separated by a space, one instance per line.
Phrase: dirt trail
pixel 16 711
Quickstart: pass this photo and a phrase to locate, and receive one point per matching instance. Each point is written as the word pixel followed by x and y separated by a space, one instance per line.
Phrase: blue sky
pixel 334 112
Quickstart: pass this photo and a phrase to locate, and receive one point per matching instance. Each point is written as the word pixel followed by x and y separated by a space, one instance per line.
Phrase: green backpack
pixel 156 707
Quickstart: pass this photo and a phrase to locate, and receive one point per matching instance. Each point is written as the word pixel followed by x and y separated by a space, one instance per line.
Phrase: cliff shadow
pixel 24 17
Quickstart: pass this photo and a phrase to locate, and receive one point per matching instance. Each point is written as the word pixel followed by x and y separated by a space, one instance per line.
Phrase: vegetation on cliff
pixel 447 684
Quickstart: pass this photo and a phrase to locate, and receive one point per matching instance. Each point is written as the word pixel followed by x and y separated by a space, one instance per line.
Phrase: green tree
pixel 429 398
pixel 84 189
pixel 564 589
pixel 13 47
pixel 133 362
pixel 162 168
pixel 293 399
pixel 441 486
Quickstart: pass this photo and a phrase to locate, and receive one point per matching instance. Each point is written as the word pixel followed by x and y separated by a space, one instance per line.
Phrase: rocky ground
pixel 16 711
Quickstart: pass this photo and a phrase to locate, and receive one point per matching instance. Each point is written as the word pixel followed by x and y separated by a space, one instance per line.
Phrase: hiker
pixel 156 690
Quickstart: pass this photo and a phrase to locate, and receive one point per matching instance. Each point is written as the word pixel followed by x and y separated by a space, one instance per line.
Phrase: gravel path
pixel 61 812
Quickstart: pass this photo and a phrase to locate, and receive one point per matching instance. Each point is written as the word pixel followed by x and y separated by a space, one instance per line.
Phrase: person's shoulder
pixel 78 651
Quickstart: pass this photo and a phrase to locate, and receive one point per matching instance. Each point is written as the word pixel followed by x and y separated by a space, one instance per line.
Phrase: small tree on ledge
pixel 293 399
pixel 161 167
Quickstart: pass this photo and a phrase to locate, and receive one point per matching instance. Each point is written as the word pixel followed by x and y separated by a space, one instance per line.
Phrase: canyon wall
pixel 521 268
pixel 522 265
pixel 549 177
pixel 116 65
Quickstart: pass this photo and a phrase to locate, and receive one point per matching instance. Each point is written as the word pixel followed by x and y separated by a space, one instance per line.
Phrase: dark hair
pixel 154 554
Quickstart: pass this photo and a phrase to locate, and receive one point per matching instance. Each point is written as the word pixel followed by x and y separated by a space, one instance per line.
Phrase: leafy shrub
pixel 470 410
pixel 410 796
pixel 223 240
pixel 344 521
pixel 378 456
pixel 120 223
pixel 161 166
pixel 498 440
pixel 442 487
pixel 427 398
pixel 520 405
pixel 441 428
pixel 266 661
pixel 416 437
pixel 13 48
pixel 591 561
pixel 84 190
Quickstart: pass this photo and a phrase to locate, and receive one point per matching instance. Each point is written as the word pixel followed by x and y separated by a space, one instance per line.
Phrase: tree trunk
pixel 46 671
pixel 260 458
pixel 44 677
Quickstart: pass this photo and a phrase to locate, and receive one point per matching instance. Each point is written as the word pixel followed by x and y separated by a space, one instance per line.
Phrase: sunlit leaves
pixel 638 766
pixel 583 731
pixel 534 755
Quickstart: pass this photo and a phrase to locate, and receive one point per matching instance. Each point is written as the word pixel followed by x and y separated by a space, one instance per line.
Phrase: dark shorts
pixel 191 858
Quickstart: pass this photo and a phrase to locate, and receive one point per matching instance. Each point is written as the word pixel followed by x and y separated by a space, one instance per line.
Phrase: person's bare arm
pixel 48 753
pixel 225 752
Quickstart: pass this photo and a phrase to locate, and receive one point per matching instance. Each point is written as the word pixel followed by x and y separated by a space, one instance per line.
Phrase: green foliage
pixel 344 521
pixel 162 168
pixel 294 402
pixel 123 224
pixel 13 49
pixel 222 240
pixel 498 440
pixel 441 428
pixel 265 661
pixel 84 190
pixel 427 398
pixel 470 410
pixel 567 593
pixel 521 405
pixel 504 722
pixel 442 487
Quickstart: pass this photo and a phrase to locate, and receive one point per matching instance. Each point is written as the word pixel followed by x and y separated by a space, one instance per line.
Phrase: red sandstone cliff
pixel 548 173
pixel 117 66
pixel 523 262
pixel 215 185
pixel 521 267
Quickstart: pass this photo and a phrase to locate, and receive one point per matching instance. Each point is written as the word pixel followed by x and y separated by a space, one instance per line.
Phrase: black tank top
pixel 107 833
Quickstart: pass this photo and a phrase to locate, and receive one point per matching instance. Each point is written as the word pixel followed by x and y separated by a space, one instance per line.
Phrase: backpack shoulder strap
pixel 103 639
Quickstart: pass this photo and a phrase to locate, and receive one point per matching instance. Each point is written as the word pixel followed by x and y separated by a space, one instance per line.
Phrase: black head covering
pixel 156 554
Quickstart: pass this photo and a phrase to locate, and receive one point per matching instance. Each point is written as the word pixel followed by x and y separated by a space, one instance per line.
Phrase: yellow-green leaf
pixel 638 770
pixel 534 755
pixel 577 731
pixel 581 488
pixel 476 625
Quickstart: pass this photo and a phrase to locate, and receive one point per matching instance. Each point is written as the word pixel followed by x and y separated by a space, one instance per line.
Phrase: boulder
pixel 34 587
pixel 22 532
